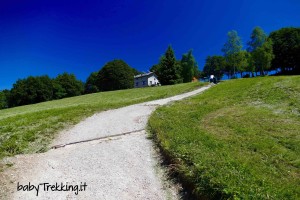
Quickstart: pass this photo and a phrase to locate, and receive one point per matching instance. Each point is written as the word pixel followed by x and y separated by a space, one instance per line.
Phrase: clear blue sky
pixel 40 37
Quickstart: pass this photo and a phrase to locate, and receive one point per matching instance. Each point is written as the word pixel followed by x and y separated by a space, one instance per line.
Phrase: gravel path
pixel 113 165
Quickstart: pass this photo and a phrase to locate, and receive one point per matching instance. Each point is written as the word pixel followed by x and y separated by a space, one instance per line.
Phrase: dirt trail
pixel 113 166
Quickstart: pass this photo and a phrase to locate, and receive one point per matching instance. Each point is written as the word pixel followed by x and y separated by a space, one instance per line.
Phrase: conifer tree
pixel 169 68
pixel 189 67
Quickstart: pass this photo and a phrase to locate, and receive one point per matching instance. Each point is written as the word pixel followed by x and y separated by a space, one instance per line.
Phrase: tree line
pixel 114 75
pixel 117 74
pixel 35 89
pixel 278 51
pixel 171 71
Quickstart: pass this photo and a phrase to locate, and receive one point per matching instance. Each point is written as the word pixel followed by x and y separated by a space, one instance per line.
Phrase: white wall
pixel 152 80
pixel 147 80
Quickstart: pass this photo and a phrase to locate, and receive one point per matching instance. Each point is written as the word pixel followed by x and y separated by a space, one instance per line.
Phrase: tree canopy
pixel 68 85
pixel 156 69
pixel 90 85
pixel 31 90
pixel 257 39
pixel 286 48
pixel 214 65
pixel 4 97
pixel 35 89
pixel 263 56
pixel 115 75
pixel 170 72
pixel 241 61
pixel 233 44
pixel 189 67
pixel 231 50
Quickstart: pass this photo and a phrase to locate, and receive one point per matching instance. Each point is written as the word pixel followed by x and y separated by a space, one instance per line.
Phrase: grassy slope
pixel 29 129
pixel 239 139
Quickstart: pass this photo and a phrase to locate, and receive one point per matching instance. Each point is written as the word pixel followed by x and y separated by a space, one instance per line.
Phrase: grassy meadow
pixel 30 129
pixel 238 140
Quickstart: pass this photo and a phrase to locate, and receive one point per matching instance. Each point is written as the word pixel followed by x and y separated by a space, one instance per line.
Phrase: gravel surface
pixel 113 166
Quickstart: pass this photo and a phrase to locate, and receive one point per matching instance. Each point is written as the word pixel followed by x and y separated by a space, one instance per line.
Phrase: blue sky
pixel 55 36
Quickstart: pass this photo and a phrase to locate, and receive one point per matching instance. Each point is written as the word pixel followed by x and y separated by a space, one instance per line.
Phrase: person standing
pixel 211 79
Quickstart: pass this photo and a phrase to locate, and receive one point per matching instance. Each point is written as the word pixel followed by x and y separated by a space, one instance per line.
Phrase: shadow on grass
pixel 172 168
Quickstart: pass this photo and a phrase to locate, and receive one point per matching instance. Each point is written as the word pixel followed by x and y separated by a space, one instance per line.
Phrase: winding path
pixel 108 151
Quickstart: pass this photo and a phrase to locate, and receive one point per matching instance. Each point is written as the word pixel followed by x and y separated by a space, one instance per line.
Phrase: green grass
pixel 30 129
pixel 238 140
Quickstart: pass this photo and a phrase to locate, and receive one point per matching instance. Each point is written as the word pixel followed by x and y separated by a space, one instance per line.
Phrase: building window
pixel 137 84
pixel 144 82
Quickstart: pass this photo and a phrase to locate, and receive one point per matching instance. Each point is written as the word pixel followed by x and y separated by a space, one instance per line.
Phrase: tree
pixel 251 65
pixel 45 88
pixel 115 75
pixel 58 91
pixel 4 96
pixel 31 90
pixel 263 56
pixel 91 83
pixel 179 70
pixel 230 49
pixel 197 72
pixel 189 67
pixel 241 61
pixel 215 65
pixel 169 68
pixel 2 100
pixel 286 48
pixel 135 71
pixel 156 69
pixel 66 85
pixel 233 44
pixel 257 39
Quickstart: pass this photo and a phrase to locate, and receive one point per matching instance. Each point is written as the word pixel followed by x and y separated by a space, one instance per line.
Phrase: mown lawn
pixel 30 129
pixel 238 140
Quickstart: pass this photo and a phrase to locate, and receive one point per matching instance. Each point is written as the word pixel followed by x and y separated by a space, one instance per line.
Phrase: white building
pixel 145 80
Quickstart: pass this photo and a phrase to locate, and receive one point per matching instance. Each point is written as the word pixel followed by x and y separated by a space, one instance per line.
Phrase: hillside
pixel 29 129
pixel 240 139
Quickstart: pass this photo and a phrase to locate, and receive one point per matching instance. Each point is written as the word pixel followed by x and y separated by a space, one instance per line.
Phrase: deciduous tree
pixel 257 39
pixel 31 90
pixel 230 49
pixel 251 65
pixel 263 56
pixel 214 65
pixel 68 86
pixel 90 85
pixel 241 61
pixel 4 96
pixel 286 48
pixel 115 75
